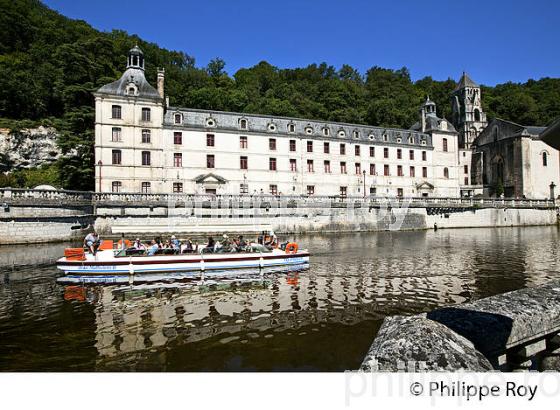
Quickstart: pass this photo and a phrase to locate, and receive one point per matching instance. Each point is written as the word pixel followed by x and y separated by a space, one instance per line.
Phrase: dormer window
pixel 271 127
pixel 326 131
pixel 399 140
pixel 385 137
pixel 291 128
pixel 371 137
pixel 131 90
pixel 356 134
pixel 423 142
pixel 309 130
pixel 410 140
pixel 178 119
pixel 243 123
pixel 210 122
pixel 341 134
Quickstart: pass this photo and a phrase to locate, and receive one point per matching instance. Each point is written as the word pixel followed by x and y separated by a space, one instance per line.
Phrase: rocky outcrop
pixel 28 148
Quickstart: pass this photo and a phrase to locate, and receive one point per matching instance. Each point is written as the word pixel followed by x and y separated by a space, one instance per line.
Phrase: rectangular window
pixel 146 187
pixel 292 145
pixel 399 153
pixel 116 186
pixel 116 112
pixel 342 149
pixel 310 190
pixel 243 163
pixel 210 140
pixel 372 151
pixel 309 146
pixel 424 172
pixel 343 191
pixel 412 172
pixel 272 144
pixel 423 155
pixel 177 187
pixel 243 188
pixel 343 167
pixel 243 143
pixel 177 160
pixel 210 161
pixel 466 180
pixel 146 158
pixel 400 192
pixel 293 165
pixel 273 189
pixel 445 145
pixel 372 190
pixel 326 148
pixel 310 165
pixel 411 155
pixel 372 169
pixel 327 165
pixel 466 169
pixel 386 170
pixel 399 170
pixel 178 138
pixel 116 135
pixel 358 168
pixel 146 137
pixel 272 164
pixel 357 150
pixel 385 152
pixel 146 114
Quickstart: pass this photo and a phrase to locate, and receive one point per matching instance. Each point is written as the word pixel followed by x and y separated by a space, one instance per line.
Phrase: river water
pixel 320 319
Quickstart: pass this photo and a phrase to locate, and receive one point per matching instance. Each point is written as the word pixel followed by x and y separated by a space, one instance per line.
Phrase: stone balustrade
pixel 17 195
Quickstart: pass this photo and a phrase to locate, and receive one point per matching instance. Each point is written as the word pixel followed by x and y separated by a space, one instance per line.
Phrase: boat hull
pixel 178 263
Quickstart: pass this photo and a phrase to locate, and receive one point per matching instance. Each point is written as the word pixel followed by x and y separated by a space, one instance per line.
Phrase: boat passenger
pixel 210 245
pixel 154 247
pixel 188 247
pixel 92 242
pixel 272 240
pixel 138 245
pixel 175 242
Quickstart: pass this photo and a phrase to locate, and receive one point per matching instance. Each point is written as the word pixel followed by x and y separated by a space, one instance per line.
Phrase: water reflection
pixel 323 318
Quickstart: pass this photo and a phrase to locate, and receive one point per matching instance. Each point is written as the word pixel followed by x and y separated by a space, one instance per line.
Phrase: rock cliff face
pixel 28 148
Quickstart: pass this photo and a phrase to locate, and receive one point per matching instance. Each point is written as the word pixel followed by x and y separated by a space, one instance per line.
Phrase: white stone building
pixel 142 145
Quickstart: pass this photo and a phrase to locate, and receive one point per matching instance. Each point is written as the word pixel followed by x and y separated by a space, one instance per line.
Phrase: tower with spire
pixel 468 117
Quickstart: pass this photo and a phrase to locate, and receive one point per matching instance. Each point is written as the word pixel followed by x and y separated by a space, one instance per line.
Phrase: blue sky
pixel 495 41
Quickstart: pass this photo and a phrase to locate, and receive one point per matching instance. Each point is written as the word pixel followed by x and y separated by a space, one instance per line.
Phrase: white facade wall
pixel 540 176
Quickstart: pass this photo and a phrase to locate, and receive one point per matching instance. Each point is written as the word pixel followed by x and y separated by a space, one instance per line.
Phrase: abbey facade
pixel 143 145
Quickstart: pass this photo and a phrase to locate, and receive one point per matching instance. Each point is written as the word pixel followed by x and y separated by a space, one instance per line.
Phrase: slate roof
pixel 465 81
pixel 136 76
pixel 433 124
pixel 499 129
pixel 271 124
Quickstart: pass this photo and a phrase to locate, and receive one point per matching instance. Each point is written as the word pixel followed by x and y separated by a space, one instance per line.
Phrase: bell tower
pixel 468 117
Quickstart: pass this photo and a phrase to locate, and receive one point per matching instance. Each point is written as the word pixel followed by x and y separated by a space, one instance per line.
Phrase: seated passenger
pixel 92 242
pixel 188 247
pixel 153 248
pixel 138 245
pixel 175 242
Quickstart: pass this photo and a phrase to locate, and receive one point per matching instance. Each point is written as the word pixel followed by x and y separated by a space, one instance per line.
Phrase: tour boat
pixel 110 265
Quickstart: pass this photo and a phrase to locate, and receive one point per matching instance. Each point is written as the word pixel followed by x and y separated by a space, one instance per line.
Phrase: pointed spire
pixel 465 81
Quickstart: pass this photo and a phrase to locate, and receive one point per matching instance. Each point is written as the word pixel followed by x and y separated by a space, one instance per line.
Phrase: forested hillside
pixel 49 66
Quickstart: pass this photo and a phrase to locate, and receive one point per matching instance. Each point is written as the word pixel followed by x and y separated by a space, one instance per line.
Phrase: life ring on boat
pixel 292 247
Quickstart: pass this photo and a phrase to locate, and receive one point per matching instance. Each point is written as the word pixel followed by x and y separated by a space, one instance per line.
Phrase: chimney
pixel 423 119
pixel 160 81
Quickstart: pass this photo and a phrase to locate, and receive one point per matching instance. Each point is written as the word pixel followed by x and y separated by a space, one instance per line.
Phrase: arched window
pixel 476 114
pixel 178 119
pixel 446 173
pixel 544 159
pixel 243 124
